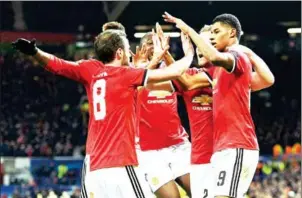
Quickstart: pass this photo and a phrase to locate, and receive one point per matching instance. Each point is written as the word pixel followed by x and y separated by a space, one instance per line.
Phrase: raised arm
pixel 186 81
pixel 69 69
pixel 262 77
pixel 222 59
pixel 170 73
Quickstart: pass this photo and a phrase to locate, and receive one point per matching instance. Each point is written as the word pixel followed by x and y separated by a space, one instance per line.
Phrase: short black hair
pixel 113 25
pixel 107 43
pixel 147 38
pixel 231 20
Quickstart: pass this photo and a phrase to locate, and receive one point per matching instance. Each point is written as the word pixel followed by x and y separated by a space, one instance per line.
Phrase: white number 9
pixel 99 103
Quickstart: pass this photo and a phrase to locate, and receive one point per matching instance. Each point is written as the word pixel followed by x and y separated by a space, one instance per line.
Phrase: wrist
pixel 141 64
pixel 155 60
pixel 34 51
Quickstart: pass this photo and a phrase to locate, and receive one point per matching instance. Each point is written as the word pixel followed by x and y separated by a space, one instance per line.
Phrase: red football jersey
pixel 112 94
pixel 159 125
pixel 233 124
pixel 199 107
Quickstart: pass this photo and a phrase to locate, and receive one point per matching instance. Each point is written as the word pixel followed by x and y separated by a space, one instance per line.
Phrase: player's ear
pixel 232 32
pixel 119 53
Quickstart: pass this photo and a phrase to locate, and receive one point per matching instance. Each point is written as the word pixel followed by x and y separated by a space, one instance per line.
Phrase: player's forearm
pixel 51 61
pixel 152 64
pixel 170 73
pixel 168 58
pixel 262 70
pixel 59 66
pixel 180 66
pixel 43 58
pixel 165 86
pixel 203 45
pixel 190 82
pixel 209 51
pixel 184 81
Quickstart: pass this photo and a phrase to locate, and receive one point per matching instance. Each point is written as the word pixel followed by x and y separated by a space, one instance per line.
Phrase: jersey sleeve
pixel 77 71
pixel 209 71
pixel 135 76
pixel 177 88
pixel 241 62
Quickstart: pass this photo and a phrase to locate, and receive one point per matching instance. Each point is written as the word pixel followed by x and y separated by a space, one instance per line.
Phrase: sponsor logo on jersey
pixel 159 94
pixel 203 100
pixel 160 97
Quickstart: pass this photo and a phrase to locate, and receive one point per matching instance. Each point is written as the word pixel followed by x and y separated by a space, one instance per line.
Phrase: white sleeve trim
pixel 209 79
pixel 234 65
pixel 146 78
pixel 172 86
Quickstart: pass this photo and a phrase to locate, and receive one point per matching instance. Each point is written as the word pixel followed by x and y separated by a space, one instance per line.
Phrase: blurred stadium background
pixel 43 118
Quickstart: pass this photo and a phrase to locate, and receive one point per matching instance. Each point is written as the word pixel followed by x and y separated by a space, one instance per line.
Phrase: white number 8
pixel 99 103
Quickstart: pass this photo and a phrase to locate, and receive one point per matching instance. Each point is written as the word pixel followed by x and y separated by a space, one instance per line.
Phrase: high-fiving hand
pixel 178 22
pixel 163 39
pixel 140 58
pixel 160 48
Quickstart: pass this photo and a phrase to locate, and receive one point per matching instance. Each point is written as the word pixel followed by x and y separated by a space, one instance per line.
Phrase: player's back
pixel 112 127
pixel 233 124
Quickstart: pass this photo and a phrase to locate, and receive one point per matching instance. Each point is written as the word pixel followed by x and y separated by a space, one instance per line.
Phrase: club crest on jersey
pixel 91 195
pixel 203 100
pixel 159 94
pixel 155 181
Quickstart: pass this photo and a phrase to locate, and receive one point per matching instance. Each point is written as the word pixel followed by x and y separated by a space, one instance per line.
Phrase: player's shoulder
pixel 130 69
pixel 242 60
pixel 238 53
pixel 90 62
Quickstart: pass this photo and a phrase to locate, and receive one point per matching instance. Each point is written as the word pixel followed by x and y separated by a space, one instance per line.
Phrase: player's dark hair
pixel 113 25
pixel 230 20
pixel 107 43
pixel 147 38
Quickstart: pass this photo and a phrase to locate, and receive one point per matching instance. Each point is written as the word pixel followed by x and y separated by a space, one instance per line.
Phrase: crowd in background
pixel 281 184
pixel 46 115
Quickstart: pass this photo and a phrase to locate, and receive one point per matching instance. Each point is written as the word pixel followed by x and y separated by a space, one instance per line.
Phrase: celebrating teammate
pixel 165 149
pixel 111 89
pixel 236 149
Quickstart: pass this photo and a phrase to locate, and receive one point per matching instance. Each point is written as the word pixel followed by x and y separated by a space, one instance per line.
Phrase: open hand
pixel 159 48
pixel 141 55
pixel 179 23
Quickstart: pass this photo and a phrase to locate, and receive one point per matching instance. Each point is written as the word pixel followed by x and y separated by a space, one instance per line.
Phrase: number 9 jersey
pixel 112 96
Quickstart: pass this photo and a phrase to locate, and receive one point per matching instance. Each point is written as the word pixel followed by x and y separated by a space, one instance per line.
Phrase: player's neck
pixel 232 43
pixel 114 63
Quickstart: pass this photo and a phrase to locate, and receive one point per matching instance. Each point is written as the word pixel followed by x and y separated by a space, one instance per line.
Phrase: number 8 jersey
pixel 112 96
